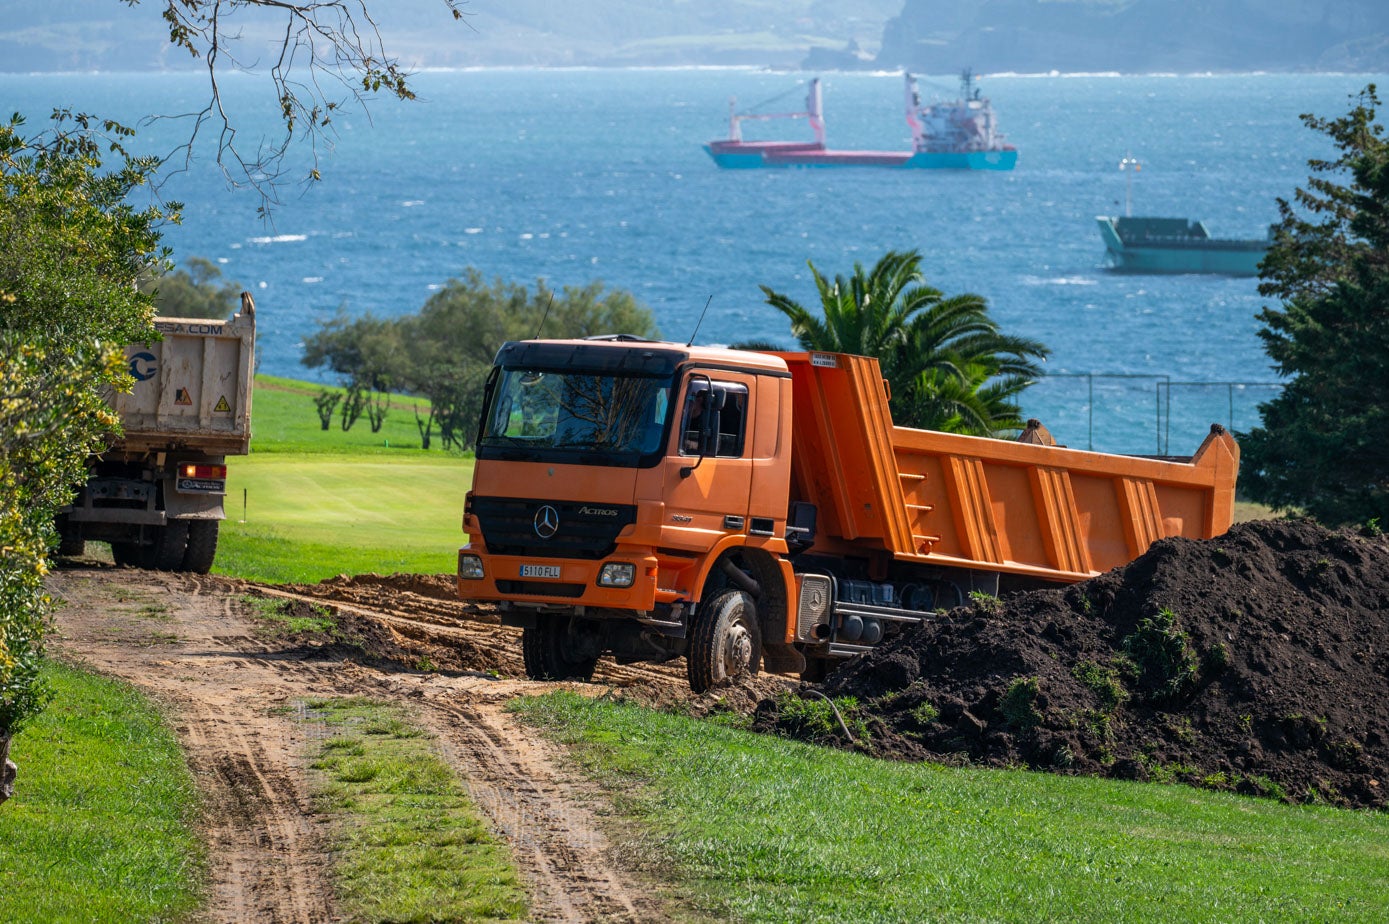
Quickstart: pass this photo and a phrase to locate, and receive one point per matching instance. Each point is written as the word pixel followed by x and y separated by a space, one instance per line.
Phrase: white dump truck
pixel 156 493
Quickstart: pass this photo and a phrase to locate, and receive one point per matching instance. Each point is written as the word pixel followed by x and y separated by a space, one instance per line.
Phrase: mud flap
pixel 191 506
pixel 781 659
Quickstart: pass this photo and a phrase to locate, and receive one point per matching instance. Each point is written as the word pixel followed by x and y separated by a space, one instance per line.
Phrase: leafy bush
pixel 71 250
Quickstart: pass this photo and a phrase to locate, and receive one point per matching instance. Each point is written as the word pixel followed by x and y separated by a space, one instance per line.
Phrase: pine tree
pixel 1324 442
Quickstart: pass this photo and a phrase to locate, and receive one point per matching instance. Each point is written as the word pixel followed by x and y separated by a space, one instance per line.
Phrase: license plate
pixel 540 571
pixel 201 486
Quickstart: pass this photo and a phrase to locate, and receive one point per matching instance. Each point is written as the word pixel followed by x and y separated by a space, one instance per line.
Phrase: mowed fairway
pixel 309 516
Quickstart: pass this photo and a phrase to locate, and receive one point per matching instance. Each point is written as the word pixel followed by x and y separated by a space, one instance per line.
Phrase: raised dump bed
pixel 1017 508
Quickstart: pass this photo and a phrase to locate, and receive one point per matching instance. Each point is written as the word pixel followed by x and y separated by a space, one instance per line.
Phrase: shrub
pixel 71 249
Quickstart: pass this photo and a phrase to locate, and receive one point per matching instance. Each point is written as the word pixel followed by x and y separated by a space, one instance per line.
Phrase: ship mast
pixel 814 111
pixel 1129 161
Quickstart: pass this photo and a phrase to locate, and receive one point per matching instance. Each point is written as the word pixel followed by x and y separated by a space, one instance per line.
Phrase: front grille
pixel 540 589
pixel 814 598
pixel 583 530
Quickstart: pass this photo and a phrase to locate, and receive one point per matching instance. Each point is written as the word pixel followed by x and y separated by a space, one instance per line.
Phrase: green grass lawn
pixel 101 824
pixel 308 503
pixel 408 843
pixel 309 516
pixel 284 419
pixel 758 828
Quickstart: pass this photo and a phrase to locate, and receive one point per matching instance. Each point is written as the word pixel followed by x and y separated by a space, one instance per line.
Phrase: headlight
pixel 470 566
pixel 617 574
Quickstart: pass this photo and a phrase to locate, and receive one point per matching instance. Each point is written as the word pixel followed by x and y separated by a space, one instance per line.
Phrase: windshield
pixel 612 418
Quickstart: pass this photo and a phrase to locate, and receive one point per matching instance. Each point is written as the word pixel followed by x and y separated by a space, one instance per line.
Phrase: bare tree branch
pixel 326 55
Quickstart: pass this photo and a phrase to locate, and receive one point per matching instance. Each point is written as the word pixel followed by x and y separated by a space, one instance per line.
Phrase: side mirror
pixel 713 418
pixel 708 432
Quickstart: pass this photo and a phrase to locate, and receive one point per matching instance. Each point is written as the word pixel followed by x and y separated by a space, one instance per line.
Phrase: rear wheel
pixel 726 642
pixel 202 546
pixel 551 652
pixel 127 553
pixel 170 542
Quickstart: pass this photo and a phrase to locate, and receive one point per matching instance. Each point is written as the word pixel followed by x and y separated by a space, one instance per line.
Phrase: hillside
pixel 87 35
pixel 1138 36
pixel 932 36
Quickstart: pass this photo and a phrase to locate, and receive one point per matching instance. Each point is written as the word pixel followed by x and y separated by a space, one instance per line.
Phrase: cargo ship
pixel 961 134
pixel 1177 245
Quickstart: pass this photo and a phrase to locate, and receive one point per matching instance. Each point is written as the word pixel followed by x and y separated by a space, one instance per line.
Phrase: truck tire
pixel 545 648
pixel 126 554
pixel 725 641
pixel 170 543
pixel 202 546
pixel 816 670
pixel 72 546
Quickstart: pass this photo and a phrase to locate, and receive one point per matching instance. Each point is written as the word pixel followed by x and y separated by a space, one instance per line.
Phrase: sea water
pixel 580 175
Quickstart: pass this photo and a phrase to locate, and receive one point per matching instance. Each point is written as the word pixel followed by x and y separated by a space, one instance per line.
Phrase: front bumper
pixel 576 584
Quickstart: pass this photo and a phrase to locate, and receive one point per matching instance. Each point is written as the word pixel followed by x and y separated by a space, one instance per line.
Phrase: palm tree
pixel 947 364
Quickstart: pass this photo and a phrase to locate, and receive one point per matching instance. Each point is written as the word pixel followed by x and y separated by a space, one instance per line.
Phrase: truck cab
pixel 619 486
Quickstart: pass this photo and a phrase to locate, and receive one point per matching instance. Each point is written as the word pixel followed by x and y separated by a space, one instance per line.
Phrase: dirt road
pixel 232 694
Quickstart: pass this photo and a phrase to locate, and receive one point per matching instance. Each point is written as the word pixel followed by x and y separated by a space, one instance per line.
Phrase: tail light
pixel 210 472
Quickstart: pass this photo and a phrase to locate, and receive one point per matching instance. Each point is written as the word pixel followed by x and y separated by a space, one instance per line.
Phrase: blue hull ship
pixel 957 135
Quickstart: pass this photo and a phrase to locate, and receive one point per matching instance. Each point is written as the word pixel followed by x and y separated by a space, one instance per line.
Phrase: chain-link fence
pixel 1142 414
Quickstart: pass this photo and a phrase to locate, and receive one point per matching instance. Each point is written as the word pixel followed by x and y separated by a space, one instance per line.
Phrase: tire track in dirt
pixel 181 640
pixel 187 641
pixel 504 642
pixel 518 779
pixel 266 857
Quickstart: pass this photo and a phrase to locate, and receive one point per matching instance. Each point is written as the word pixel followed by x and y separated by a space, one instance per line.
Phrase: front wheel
pixel 550 652
pixel 725 642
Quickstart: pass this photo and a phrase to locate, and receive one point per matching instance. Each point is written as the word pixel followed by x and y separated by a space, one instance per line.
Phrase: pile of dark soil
pixel 1257 661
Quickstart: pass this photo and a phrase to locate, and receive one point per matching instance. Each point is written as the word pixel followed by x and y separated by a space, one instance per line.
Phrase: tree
pixel 71 250
pixel 195 291
pixel 368 355
pixel 444 353
pixel 947 364
pixel 1321 443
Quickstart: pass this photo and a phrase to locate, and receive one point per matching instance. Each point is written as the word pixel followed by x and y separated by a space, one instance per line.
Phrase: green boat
pixel 1177 245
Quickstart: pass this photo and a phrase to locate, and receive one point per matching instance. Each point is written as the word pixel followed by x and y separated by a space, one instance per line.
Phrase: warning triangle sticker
pixel 222 406
pixel 182 397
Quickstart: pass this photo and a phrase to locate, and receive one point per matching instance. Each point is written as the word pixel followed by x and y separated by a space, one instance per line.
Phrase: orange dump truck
pixel 753 510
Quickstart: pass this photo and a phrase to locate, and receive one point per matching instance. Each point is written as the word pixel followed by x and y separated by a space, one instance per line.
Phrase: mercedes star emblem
pixel 546 522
